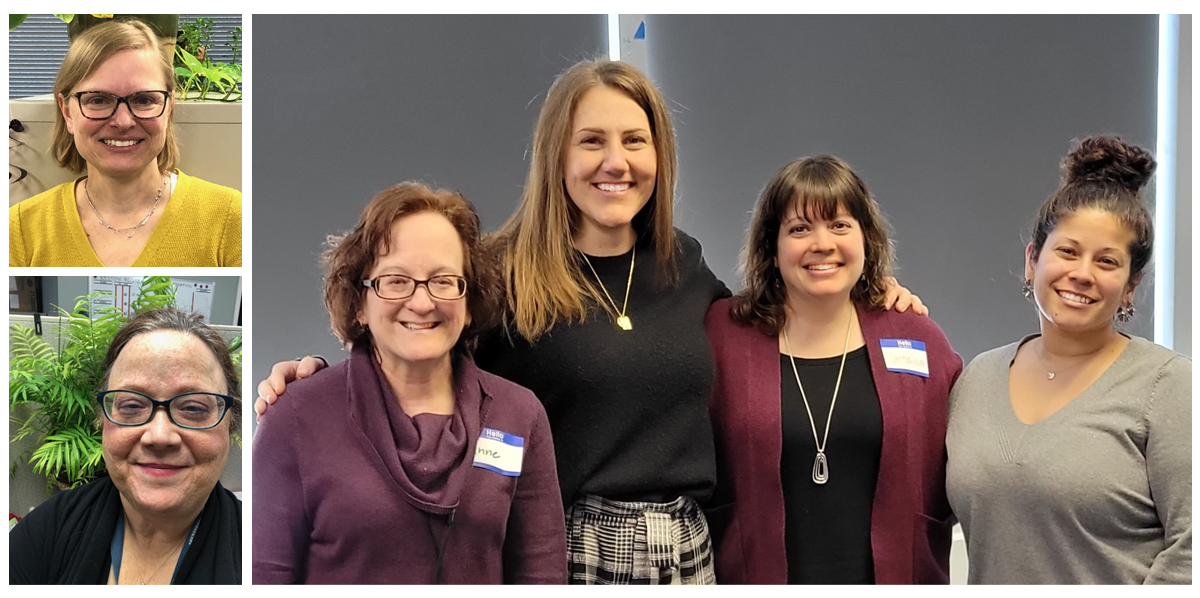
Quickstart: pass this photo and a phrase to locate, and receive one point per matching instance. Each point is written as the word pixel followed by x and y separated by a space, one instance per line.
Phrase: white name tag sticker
pixel 905 356
pixel 500 452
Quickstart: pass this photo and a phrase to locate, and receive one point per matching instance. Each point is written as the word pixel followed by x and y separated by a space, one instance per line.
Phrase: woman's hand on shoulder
pixel 282 373
pixel 901 299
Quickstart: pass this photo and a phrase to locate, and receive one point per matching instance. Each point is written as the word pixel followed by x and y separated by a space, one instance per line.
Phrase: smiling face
pixel 420 330
pixel 819 258
pixel 160 468
pixel 1082 274
pixel 123 145
pixel 610 162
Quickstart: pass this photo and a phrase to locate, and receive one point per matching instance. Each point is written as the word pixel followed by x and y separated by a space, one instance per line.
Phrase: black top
pixel 828 527
pixel 628 409
pixel 66 540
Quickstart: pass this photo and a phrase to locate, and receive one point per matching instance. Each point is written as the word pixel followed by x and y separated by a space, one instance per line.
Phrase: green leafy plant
pixel 235 354
pixel 235 44
pixel 58 383
pixel 195 36
pixel 196 70
pixel 204 77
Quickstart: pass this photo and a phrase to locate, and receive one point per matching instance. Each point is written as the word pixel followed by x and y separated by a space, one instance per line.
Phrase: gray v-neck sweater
pixel 1099 492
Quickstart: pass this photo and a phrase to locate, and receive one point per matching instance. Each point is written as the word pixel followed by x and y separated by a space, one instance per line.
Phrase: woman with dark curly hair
pixel 829 411
pixel 1070 450
pixel 406 463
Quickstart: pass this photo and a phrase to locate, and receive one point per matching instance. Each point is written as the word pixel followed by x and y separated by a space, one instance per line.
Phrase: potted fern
pixel 57 383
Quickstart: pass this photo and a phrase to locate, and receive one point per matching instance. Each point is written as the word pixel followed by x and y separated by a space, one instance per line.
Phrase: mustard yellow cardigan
pixel 200 226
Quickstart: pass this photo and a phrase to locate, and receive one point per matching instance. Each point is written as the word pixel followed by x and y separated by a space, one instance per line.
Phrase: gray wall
pixel 450 101
pixel 957 124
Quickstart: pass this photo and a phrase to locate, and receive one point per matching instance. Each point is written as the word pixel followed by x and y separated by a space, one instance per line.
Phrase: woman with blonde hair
pixel 114 124
pixel 606 305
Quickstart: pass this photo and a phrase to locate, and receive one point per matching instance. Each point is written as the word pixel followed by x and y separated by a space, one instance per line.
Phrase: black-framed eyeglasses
pixel 101 105
pixel 191 410
pixel 399 286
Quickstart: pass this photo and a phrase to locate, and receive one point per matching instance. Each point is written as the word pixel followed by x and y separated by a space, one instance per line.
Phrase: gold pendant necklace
pixel 820 473
pixel 623 321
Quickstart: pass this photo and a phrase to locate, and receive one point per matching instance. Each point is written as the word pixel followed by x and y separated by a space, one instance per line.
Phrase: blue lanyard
pixel 118 546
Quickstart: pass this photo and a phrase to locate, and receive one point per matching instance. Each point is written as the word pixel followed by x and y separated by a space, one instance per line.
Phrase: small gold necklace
pixel 623 321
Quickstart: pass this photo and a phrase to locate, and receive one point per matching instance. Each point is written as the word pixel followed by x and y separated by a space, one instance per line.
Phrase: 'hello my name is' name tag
pixel 905 356
pixel 500 452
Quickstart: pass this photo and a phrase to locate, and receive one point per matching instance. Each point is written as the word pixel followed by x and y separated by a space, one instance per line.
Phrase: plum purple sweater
pixel 333 504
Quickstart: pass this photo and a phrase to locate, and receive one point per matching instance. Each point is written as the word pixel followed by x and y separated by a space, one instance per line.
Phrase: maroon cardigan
pixel 910 519
pixel 329 507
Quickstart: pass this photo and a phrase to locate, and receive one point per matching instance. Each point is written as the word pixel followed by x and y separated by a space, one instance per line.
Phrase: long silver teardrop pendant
pixel 820 469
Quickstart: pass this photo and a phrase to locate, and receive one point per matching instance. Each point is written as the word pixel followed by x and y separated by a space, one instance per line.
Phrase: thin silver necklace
pixel 820 473
pixel 138 562
pixel 132 229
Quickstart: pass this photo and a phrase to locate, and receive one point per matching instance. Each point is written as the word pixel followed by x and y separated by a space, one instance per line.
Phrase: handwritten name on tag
pixel 500 452
pixel 905 356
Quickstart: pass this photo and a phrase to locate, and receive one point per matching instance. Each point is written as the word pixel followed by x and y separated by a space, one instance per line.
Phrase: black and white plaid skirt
pixel 613 542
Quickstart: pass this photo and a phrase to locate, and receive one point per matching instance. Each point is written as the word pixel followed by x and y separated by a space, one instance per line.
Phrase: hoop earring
pixel 1125 313
pixel 1027 289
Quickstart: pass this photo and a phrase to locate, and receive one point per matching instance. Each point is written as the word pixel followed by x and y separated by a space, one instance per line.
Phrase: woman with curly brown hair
pixel 1070 450
pixel 406 463
pixel 829 411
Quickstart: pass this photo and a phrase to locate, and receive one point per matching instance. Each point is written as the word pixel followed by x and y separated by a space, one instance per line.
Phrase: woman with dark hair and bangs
pixel 829 411
pixel 1070 450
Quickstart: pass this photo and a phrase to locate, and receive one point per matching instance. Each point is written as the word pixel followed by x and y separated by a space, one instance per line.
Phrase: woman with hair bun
pixel 1069 451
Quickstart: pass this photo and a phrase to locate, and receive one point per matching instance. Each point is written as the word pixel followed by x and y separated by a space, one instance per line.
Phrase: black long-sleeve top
pixel 628 410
